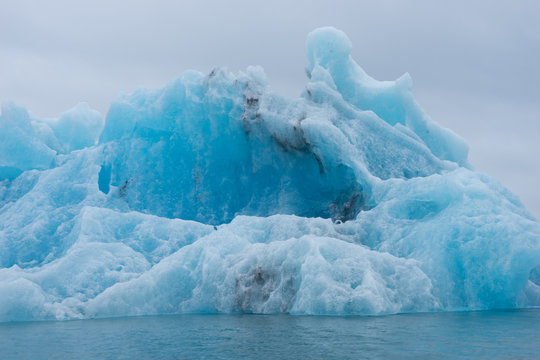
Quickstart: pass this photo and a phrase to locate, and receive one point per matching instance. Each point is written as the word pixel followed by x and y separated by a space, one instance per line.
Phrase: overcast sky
pixel 475 64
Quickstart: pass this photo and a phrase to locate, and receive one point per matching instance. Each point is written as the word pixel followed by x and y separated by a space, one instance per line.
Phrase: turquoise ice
pixel 214 194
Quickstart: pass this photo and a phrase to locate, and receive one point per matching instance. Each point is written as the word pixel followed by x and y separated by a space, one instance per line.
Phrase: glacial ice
pixel 27 142
pixel 214 194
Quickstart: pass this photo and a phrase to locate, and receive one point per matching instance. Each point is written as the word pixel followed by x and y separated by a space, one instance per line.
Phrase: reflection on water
pixel 484 335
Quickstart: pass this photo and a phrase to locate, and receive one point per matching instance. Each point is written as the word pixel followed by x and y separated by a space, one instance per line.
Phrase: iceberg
pixel 216 195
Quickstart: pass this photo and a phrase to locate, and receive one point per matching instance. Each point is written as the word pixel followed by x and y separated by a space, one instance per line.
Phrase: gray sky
pixel 475 64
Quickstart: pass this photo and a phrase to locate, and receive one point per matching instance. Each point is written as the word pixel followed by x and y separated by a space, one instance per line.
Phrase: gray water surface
pixel 462 335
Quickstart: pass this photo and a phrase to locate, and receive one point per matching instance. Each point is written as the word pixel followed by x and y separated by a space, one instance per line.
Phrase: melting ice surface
pixel 215 194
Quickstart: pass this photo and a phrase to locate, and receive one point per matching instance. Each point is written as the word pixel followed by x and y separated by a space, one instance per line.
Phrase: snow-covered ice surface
pixel 214 194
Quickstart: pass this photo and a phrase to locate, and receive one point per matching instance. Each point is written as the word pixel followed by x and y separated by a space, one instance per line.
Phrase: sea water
pixel 501 334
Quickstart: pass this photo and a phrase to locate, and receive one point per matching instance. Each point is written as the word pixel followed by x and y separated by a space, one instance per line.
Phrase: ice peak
pixel 326 46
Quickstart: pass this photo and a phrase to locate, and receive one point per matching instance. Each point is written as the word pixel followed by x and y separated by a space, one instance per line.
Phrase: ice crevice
pixel 215 194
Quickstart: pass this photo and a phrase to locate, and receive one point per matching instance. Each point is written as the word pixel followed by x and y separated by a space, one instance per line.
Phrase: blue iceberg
pixel 216 195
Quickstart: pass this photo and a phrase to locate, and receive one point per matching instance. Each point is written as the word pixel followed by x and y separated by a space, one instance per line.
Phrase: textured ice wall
pixel 214 194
